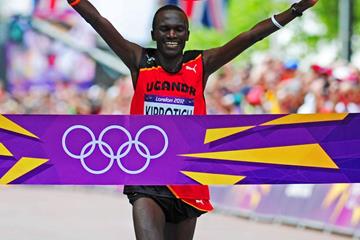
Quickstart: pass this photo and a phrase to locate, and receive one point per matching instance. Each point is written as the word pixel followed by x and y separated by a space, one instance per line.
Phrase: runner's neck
pixel 170 65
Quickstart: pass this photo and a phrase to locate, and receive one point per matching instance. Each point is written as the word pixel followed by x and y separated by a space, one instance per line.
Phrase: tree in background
pixel 242 15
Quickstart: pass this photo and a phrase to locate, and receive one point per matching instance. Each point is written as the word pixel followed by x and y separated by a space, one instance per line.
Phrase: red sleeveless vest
pixel 158 92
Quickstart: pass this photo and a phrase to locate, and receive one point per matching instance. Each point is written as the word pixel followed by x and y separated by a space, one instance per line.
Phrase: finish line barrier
pixel 161 150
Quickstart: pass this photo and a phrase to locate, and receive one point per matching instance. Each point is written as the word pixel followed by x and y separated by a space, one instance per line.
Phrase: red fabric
pixel 52 5
pixel 188 6
pixel 254 97
pixel 322 70
pixel 149 82
pixel 202 205
pixel 152 77
pixel 195 195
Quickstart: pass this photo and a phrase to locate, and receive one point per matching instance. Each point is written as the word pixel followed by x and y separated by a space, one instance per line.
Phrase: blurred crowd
pixel 68 98
pixel 276 86
pixel 44 77
pixel 271 86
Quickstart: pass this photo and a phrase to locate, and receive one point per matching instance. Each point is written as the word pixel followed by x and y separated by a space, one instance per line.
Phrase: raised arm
pixel 217 57
pixel 128 52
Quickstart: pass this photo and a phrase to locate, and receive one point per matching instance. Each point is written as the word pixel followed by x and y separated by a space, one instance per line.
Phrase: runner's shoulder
pixel 191 55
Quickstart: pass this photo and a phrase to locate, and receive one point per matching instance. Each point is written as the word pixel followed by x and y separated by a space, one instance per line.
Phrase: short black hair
pixel 166 8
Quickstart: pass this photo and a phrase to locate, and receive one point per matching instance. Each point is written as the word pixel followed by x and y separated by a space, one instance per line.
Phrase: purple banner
pixel 228 150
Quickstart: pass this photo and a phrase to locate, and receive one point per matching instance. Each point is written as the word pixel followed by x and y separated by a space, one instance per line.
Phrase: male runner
pixel 169 81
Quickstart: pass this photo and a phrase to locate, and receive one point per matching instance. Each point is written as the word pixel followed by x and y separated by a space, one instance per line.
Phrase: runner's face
pixel 170 32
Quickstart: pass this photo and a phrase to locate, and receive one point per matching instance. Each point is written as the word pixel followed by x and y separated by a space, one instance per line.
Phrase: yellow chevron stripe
pixel 219 133
pixel 307 118
pixel 308 155
pixel 336 191
pixel 213 179
pixel 355 218
pixel 9 125
pixel 22 167
pixel 341 203
pixel 4 151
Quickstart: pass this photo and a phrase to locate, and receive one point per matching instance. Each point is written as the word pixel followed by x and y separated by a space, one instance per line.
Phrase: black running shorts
pixel 174 209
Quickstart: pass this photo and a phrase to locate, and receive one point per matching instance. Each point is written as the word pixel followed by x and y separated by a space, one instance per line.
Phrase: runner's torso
pixel 158 92
pixel 161 93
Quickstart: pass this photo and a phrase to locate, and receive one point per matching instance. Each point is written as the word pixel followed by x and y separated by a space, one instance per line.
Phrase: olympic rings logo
pixel 108 152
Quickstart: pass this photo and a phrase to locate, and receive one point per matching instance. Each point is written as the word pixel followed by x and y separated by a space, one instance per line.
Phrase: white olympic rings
pixel 108 152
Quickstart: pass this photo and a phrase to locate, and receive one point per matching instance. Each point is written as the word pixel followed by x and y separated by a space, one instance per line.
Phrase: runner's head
pixel 170 30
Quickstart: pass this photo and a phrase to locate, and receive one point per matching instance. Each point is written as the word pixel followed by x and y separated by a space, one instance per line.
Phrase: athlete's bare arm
pixel 130 53
pixel 217 57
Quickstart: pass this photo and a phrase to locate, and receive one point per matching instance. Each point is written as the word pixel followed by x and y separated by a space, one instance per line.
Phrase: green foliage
pixel 244 14
pixel 357 17
pixel 328 12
